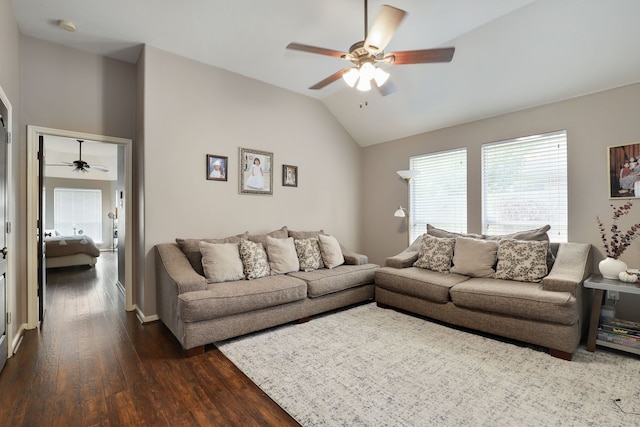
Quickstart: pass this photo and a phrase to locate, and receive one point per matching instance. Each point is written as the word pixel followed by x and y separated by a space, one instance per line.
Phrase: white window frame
pixel 525 185
pixel 438 195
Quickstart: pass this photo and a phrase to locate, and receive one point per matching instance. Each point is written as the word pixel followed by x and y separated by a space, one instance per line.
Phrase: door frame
pixel 33 133
pixel 11 242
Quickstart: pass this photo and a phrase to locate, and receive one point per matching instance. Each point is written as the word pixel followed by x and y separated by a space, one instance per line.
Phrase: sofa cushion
pixel 522 260
pixel 309 255
pixel 254 260
pixel 435 253
pixel 517 299
pixel 331 251
pixel 191 248
pixel 326 281
pixel 418 282
pixel 229 298
pixel 282 255
pixel 437 232
pixel 221 262
pixel 305 234
pixel 281 233
pixel 474 257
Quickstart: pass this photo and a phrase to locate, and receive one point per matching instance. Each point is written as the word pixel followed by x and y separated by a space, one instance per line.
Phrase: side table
pixel 599 285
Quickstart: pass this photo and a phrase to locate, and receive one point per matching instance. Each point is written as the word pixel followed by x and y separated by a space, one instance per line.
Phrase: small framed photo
pixel 624 171
pixel 216 167
pixel 289 176
pixel 256 172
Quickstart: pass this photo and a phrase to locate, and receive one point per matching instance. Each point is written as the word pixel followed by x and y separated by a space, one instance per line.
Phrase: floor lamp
pixel 112 217
pixel 401 212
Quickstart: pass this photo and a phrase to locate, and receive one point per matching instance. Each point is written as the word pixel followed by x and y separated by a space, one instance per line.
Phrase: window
pixel 78 209
pixel 438 195
pixel 524 185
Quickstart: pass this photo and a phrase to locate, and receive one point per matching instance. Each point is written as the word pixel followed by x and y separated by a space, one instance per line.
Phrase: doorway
pixel 5 166
pixel 123 202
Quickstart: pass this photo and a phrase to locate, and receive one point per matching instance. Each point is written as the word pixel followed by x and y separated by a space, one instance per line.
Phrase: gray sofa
pixel 199 313
pixel 547 313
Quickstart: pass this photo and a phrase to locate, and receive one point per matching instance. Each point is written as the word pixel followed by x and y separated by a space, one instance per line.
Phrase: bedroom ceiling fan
pixel 366 54
pixel 80 165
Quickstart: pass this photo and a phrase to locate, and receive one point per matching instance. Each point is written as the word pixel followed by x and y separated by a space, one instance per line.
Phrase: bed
pixel 66 251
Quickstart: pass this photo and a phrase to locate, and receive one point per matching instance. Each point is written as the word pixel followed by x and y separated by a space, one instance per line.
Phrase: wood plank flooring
pixel 93 364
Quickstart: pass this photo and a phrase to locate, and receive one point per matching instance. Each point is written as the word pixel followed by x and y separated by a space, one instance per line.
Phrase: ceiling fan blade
pixel 420 56
pixel 316 50
pixel 387 88
pixel 383 29
pixel 60 164
pixel 332 78
pixel 99 168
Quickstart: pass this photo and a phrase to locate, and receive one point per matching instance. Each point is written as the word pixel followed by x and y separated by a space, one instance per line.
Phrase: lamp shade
pixel 399 212
pixel 351 76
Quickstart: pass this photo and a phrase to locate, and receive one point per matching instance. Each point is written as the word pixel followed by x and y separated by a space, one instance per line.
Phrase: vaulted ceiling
pixel 510 54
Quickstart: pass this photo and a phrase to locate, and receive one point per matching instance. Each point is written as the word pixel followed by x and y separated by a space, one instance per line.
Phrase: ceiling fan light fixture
pixel 380 76
pixel 351 77
pixel 364 85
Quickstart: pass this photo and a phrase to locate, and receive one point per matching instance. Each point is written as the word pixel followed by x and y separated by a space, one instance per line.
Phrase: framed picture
pixel 624 171
pixel 216 167
pixel 256 172
pixel 289 176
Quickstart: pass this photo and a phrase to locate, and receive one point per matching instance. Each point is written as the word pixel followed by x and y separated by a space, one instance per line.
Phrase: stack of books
pixel 621 332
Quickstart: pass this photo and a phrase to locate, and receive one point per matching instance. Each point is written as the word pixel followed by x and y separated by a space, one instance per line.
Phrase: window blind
pixel 80 209
pixel 438 195
pixel 524 185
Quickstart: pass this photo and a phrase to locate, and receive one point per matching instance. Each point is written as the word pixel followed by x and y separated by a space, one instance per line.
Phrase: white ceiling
pixel 510 54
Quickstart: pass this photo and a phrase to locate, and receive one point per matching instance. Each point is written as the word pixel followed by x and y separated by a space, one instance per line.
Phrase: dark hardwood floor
pixel 93 364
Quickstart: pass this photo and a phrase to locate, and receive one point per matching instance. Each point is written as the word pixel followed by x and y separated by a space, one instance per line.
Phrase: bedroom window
pixel 76 210
pixel 524 185
pixel 438 195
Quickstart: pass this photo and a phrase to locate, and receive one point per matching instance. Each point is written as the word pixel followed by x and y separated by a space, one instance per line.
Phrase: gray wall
pixel 593 123
pixel 191 110
pixel 10 82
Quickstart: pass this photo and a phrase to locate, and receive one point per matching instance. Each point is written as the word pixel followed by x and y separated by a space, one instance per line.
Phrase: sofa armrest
pixel 352 258
pixel 572 266
pixel 173 267
pixel 406 258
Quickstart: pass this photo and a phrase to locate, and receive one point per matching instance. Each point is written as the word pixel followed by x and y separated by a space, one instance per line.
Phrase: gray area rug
pixel 367 366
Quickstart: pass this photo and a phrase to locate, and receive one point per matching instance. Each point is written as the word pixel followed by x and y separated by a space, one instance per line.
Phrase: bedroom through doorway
pixel 82 198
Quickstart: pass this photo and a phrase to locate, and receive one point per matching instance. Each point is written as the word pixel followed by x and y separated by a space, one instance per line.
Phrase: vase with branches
pixel 616 242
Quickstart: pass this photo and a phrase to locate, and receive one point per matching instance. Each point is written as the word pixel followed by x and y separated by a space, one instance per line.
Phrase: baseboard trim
pixel 145 319
pixel 17 340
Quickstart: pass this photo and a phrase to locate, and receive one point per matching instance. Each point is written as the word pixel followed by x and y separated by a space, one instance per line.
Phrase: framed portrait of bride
pixel 256 172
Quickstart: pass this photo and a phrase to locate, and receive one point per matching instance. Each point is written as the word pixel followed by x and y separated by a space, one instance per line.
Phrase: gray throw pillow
pixel 331 251
pixel 282 255
pixel 474 257
pixel 191 248
pixel 221 262
pixel 282 233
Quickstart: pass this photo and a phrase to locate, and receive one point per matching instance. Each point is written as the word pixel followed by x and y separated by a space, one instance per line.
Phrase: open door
pixel 42 267
pixel 4 345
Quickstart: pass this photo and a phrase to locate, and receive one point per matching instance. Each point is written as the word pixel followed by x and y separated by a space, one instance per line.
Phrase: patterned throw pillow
pixel 524 261
pixel 309 255
pixel 435 253
pixel 254 259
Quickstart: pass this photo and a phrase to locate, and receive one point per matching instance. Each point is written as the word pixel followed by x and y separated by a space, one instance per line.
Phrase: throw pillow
pixel 435 253
pixel 309 255
pixel 191 248
pixel 331 251
pixel 474 257
pixel 305 234
pixel 538 234
pixel 221 262
pixel 282 255
pixel 522 260
pixel 254 260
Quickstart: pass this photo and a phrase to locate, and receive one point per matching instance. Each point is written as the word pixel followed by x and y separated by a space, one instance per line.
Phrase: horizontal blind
pixel 438 195
pixel 80 209
pixel 524 185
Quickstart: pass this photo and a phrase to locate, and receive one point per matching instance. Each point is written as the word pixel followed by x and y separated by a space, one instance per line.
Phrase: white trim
pixel 145 319
pixel 11 197
pixel 33 132
pixel 17 340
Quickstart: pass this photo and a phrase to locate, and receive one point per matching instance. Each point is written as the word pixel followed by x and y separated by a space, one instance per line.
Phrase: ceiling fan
pixel 369 52
pixel 80 165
